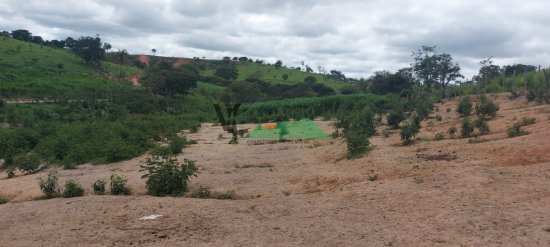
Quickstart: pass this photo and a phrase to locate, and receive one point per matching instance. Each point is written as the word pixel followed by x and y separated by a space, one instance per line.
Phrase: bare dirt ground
pixel 495 192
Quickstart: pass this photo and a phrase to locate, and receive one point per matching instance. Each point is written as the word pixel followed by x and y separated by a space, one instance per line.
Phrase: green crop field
pixel 303 129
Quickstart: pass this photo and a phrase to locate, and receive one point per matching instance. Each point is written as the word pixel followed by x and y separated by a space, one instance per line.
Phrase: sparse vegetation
pixel 516 130
pixel 202 192
pixel 262 165
pixel 11 172
pixel 373 177
pixel 3 201
pixel 452 131
pixel 481 124
pixel 527 121
pixel 439 137
pixel 438 118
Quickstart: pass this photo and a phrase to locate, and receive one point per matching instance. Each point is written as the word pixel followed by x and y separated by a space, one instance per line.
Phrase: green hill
pixel 30 71
pixel 270 73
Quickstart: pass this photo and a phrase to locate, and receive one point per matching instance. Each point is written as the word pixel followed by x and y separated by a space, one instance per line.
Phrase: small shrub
pixel 486 107
pixel 452 131
pixel 72 189
pixel 448 110
pixel 357 143
pixel 481 124
pixel 194 129
pixel 201 192
pixel 467 128
pixel 99 187
pixel 234 139
pixel 439 137
pixel 118 185
pixel 3 201
pixel 516 130
pixel 283 130
pixel 11 172
pixel 166 176
pixel 49 185
pixel 438 117
pixel 465 106
pixel 408 132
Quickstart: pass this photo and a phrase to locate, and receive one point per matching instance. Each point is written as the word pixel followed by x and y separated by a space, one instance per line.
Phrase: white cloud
pixel 357 37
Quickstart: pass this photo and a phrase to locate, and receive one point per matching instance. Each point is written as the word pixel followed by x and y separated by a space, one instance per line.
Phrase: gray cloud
pixel 357 37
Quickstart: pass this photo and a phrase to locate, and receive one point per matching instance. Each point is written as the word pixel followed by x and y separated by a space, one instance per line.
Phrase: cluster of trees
pixel 164 79
pixel 91 49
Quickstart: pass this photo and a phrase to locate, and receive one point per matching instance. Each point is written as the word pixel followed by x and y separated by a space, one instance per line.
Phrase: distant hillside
pixel 31 71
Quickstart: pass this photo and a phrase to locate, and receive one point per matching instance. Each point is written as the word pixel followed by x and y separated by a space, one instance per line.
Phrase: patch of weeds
pixel 516 130
pixel 228 195
pixel 201 192
pixel 418 180
pixel 286 193
pixel 373 177
pixel 119 186
pixel 262 165
pixel 99 187
pixel 3 201
pixel 438 118
pixel 448 110
pixel 439 137
pixel 476 139
pixel 72 189
pixel 527 121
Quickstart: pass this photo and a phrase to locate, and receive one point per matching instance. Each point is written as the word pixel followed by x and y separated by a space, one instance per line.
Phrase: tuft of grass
pixel 202 192
pixel 516 130
pixel 439 137
pixel 3 201
pixel 373 177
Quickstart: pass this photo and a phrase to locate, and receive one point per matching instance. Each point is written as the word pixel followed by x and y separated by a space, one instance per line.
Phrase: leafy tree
pixel 278 64
pixel 467 128
pixel 22 34
pixel 309 69
pixel 154 51
pixel 165 80
pixel 431 67
pixel 91 49
pixel 227 72
pixel 486 107
pixel 310 80
pixel 517 69
pixel 395 117
pixel 488 70
pixel 383 82
pixel 337 75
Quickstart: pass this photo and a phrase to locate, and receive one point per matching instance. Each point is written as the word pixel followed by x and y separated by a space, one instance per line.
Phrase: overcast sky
pixel 356 37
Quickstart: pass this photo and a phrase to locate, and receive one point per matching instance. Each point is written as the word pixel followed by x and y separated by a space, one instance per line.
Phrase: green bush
pixel 486 107
pixel 516 130
pixel 28 163
pixel 119 186
pixel 439 137
pixel 166 176
pixel 467 128
pixel 357 143
pixel 283 130
pixel 99 187
pixel 49 185
pixel 465 106
pixel 72 189
pixel 481 124
pixel 3 201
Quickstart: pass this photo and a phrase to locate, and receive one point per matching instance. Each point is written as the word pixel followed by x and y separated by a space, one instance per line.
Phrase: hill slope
pixel 32 71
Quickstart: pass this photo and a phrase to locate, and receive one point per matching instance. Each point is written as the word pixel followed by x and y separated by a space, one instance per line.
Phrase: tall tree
pixel 91 49
pixel 22 34
pixel 162 79
pixel 431 67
